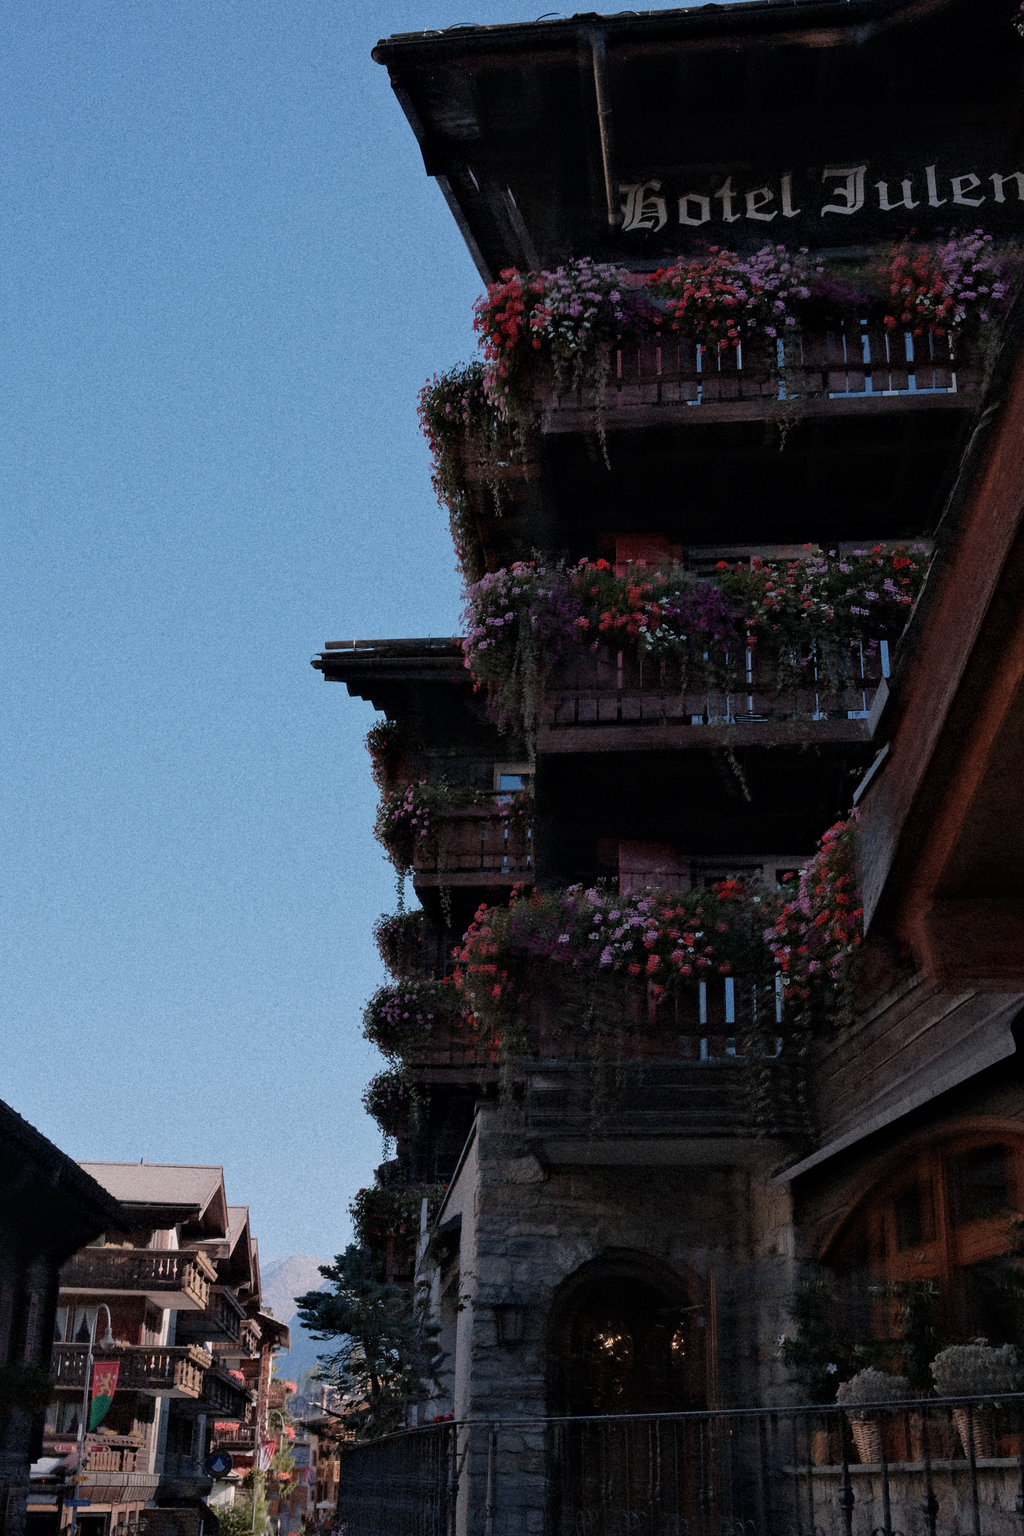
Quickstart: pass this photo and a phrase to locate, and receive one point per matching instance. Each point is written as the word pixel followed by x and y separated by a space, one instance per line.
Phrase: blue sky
pixel 225 276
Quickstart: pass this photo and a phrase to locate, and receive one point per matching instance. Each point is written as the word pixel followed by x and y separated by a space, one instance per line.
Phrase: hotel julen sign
pixel 839 203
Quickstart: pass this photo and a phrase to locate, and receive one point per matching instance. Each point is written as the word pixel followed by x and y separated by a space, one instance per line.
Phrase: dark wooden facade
pixel 594 136
pixel 49 1208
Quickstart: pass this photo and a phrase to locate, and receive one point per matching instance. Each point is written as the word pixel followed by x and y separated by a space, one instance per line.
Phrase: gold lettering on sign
pixel 934 200
pixel 704 203
pixel 998 182
pixel 907 200
pixel 758 200
pixel 728 196
pixel 964 184
pixel 643 209
pixel 851 187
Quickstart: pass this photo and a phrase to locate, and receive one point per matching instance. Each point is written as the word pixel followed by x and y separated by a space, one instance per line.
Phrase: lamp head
pixel 108 1341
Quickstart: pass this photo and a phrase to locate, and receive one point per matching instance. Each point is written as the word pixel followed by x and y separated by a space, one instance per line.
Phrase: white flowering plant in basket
pixel 976 1370
pixel 871 1386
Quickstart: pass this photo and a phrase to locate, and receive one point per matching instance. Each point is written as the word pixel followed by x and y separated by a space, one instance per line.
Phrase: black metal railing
pixel 953 1467
pixel 401 1485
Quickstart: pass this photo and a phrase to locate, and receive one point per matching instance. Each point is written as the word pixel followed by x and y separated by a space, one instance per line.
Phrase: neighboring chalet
pixel 50 1207
pixel 627 1223
pixel 177 1268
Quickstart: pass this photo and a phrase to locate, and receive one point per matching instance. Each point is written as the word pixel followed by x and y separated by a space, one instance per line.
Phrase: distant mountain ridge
pixel 283 1280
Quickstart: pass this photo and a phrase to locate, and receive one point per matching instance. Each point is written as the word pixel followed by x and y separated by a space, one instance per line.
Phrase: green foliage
pixel 821 1352
pixel 917 1328
pixel 387 746
pixel 405 1016
pixel 388 1097
pixel 386 1353
pixel 236 1519
pixel 384 1217
pixel 402 940
pixel 465 433
pixel 25 1386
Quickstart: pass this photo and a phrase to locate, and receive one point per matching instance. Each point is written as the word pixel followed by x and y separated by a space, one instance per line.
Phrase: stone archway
pixel 627 1334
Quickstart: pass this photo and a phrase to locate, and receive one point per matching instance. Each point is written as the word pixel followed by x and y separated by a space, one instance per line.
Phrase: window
pixel 946 1214
pixel 509 777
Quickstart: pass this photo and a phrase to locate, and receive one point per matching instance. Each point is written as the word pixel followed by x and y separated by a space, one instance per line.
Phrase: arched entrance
pixel 627 1335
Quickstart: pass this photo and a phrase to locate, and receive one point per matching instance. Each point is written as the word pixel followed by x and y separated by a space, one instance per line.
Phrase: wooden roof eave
pixel 957 689
pixel 489 219
pixel 820 23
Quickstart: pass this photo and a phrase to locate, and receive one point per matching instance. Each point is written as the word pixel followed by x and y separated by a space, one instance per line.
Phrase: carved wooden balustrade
pixel 183 1274
pixel 223 1393
pixel 112 1458
pixel 619 690
pixel 588 1017
pixel 469 845
pixel 158 1370
pixel 835 364
pixel 239 1437
pixel 220 1321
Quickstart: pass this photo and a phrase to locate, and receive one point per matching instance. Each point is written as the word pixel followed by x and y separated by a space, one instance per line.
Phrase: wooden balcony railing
pixel 619 690
pixel 711 1020
pixel 224 1394
pixel 246 1344
pixel 241 1437
pixel 486 845
pixel 846 362
pixel 220 1321
pixel 176 1279
pixel 116 1460
pixel 159 1370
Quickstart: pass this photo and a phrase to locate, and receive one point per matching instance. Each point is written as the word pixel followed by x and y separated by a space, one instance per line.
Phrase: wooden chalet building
pixel 50 1207
pixel 626 1235
pixel 177 1270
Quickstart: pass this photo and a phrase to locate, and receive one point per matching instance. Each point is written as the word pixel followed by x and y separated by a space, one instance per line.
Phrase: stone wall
pixel 721 1228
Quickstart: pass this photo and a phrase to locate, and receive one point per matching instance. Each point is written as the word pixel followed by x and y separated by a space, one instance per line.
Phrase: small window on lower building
pixel 944 1217
pixel 979 1184
pixel 510 777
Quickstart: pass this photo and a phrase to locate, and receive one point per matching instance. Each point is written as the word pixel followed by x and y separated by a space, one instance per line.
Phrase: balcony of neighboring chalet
pixel 222 1322
pixel 174 1279
pixel 154 1370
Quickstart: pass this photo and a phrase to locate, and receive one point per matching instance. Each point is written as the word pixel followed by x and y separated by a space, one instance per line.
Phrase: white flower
pixel 832 1369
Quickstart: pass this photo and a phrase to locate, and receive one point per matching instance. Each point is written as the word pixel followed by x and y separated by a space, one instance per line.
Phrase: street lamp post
pixel 107 1342
pixel 281 1417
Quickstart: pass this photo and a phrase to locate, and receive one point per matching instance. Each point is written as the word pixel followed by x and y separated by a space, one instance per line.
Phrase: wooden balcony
pixel 476 845
pixel 238 1437
pixel 176 1279
pixel 113 1487
pixel 849 364
pixel 908 1046
pixel 219 1322
pixel 222 1394
pixel 246 1344
pixel 111 1456
pixel 615 700
pixel 710 1021
pixel 157 1370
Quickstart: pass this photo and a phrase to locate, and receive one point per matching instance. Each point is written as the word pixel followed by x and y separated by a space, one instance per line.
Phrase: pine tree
pixel 387 1354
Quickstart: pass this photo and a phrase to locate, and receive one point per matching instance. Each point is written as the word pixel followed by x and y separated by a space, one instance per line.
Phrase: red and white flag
pixel 265 1455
